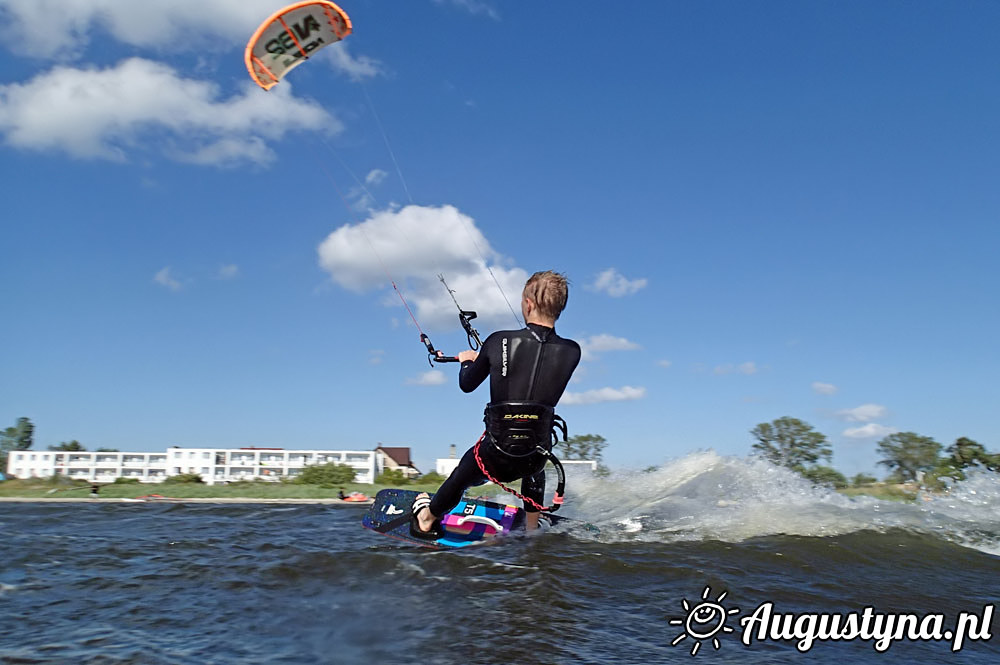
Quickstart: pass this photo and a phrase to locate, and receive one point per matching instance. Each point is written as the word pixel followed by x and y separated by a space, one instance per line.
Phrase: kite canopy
pixel 290 35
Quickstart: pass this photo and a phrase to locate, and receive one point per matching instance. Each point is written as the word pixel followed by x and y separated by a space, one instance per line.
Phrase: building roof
pixel 399 455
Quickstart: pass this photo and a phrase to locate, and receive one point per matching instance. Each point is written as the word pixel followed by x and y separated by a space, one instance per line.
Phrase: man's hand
pixel 467 355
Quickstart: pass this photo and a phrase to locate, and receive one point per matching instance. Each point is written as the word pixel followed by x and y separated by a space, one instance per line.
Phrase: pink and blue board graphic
pixel 471 522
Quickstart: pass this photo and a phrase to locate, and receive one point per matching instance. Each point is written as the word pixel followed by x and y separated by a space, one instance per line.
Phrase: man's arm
pixel 475 369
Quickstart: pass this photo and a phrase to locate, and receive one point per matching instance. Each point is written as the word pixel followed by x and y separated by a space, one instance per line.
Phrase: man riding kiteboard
pixel 528 370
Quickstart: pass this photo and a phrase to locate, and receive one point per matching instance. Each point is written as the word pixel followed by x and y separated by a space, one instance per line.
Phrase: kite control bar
pixel 465 316
pixel 433 355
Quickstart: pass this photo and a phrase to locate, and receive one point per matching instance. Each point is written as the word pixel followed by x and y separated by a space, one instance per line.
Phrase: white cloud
pixel 595 344
pixel 869 431
pixel 62 28
pixel 107 113
pixel 416 243
pixel 616 285
pixel 431 377
pixel 862 414
pixel 473 7
pixel 375 177
pixel 823 388
pixel 376 356
pixel 230 271
pixel 625 393
pixel 664 363
pixel 356 68
pixel 743 368
pixel 361 198
pixel 164 278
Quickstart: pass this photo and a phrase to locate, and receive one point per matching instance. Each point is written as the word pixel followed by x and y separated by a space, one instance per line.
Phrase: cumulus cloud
pixel 416 243
pixel 431 377
pixel 743 368
pixel 616 285
pixel 664 363
pixel 862 414
pixel 103 113
pixel 823 388
pixel 356 68
pixel 230 271
pixel 164 278
pixel 595 344
pixel 62 28
pixel 362 199
pixel 869 431
pixel 623 394
pixel 375 177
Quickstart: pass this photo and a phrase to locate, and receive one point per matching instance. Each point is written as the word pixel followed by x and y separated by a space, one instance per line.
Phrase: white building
pixel 214 465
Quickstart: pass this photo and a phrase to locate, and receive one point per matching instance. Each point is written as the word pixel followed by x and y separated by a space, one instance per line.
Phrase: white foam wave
pixel 705 496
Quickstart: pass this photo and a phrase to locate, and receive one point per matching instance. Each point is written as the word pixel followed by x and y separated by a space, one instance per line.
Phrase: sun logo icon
pixel 704 621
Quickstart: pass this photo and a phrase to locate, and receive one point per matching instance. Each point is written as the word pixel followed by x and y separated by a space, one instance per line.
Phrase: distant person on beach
pixel 528 371
pixel 340 494
pixel 94 491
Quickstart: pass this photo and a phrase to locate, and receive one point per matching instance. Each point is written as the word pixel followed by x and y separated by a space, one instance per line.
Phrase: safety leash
pixel 557 500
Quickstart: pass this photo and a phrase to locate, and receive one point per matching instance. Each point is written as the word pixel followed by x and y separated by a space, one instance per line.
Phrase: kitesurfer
pixel 528 370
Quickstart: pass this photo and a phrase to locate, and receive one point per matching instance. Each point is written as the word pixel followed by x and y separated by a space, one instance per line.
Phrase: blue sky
pixel 765 209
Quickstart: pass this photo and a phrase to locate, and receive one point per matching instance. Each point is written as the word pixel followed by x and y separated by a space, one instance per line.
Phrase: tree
pixel 825 475
pixel 908 453
pixel 73 446
pixel 107 450
pixel 862 479
pixel 326 475
pixel 791 442
pixel 19 437
pixel 431 477
pixel 185 478
pixel 583 447
pixel 965 453
pixel 393 477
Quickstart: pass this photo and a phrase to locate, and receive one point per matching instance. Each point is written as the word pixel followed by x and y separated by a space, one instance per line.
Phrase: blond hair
pixel 549 291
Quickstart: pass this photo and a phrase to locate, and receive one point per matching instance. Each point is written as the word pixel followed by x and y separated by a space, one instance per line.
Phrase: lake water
pixel 152 583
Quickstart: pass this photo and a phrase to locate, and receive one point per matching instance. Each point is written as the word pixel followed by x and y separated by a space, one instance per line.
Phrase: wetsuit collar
pixel 540 332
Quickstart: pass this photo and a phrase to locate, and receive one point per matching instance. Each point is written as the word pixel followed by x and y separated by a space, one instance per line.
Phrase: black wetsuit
pixel 508 357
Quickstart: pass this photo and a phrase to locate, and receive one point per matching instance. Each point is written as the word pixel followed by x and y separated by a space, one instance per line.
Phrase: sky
pixel 764 209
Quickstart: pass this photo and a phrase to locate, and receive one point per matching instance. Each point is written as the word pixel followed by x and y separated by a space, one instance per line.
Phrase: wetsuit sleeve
pixel 474 372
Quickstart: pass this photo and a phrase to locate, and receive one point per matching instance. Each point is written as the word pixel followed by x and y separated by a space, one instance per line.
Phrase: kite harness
pixel 522 430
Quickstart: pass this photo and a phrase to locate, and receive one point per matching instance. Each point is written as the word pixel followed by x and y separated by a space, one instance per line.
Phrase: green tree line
pixel 909 457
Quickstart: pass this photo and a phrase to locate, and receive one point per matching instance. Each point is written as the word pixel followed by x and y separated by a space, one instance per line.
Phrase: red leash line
pixel 482 468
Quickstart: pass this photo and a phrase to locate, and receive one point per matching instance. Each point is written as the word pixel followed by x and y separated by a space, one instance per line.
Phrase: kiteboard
pixel 471 522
